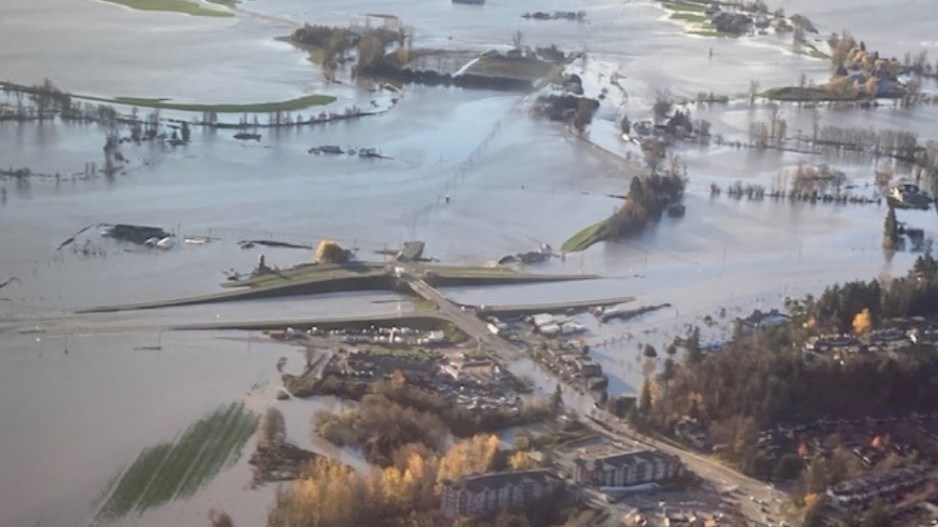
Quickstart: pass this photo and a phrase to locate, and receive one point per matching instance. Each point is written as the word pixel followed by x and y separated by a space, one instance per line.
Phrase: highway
pixel 464 318
pixel 758 500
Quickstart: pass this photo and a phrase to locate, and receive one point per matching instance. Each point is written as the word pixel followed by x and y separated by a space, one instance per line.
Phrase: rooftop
pixel 495 480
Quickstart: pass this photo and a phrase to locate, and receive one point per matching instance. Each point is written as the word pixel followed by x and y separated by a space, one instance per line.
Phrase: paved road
pixel 759 501
pixel 464 318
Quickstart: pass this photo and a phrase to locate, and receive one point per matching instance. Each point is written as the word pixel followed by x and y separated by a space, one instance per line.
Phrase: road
pixel 464 318
pixel 759 501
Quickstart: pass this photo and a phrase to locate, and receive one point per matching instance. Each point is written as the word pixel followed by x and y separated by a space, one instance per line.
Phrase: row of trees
pixel 334 495
pixel 915 294
pixel 900 144
pixel 760 380
pixel 380 427
pixel 647 199
pixel 460 420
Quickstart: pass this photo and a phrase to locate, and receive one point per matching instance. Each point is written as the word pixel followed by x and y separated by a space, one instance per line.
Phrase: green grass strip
pixel 173 6
pixel 688 17
pixel 690 7
pixel 181 467
pixel 583 239
pixel 290 105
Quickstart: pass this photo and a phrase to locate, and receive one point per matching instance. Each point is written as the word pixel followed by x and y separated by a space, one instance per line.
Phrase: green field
pixel 712 33
pixel 312 273
pixel 688 17
pixel 583 239
pixel 810 50
pixel 174 6
pixel 687 7
pixel 694 15
pixel 227 3
pixel 290 105
pixel 177 469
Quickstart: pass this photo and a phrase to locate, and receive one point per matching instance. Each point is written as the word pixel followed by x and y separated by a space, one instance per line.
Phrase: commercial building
pixel 625 469
pixel 493 492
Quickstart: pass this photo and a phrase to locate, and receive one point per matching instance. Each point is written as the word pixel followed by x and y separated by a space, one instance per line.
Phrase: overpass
pixel 463 317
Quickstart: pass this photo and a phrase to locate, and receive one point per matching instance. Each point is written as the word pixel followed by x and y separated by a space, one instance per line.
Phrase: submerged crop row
pixel 177 469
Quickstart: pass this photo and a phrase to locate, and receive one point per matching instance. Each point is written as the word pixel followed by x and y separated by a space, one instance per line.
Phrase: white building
pixel 625 469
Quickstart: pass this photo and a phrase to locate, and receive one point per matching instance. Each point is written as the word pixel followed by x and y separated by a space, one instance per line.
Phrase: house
pixel 842 343
pixel 908 195
pixel 760 320
pixel 588 367
pixel 492 492
pixel 889 339
pixel 859 492
pixel 468 369
pixel 626 469
pixel 735 23
pixel 691 431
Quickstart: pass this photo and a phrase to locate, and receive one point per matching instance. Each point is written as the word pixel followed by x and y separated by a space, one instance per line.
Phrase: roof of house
pixel 497 480
pixel 619 459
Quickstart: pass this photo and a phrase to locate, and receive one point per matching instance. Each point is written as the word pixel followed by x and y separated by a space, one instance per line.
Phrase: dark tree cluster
pixel 646 201
pixel 761 380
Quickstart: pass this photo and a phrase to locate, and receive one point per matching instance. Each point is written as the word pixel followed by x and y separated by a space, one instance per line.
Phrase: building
pixel 490 493
pixel 467 370
pixel 861 491
pixel 625 469
pixel 691 431
pixel 759 320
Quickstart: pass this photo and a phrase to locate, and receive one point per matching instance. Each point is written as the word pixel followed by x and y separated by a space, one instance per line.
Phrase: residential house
pixel 861 491
pixel 760 320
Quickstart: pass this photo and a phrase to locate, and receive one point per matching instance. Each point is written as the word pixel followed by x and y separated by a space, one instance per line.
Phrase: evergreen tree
pixel 891 230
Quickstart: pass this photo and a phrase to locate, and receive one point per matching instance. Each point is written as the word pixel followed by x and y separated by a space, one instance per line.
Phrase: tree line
pixel 761 380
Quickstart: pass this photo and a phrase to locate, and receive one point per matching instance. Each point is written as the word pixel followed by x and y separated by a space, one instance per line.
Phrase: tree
pixel 891 230
pixel 662 106
pixel 788 467
pixel 862 323
pixel 520 460
pixel 556 400
pixel 877 515
pixel 644 400
pixel 626 125
pixel 669 370
pixel 329 251
pixel 654 151
pixel 517 38
pixel 272 429
pixel 649 351
pixel 693 347
pixel 219 518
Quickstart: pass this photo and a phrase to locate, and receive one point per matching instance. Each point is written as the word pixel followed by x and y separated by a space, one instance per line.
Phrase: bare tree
pixel 517 39
pixel 753 91
pixel 662 106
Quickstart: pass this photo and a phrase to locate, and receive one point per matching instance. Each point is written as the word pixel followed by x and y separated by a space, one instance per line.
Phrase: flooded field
pixel 470 172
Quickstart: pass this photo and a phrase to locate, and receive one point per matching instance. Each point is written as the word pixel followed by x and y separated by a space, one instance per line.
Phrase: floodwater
pixel 72 420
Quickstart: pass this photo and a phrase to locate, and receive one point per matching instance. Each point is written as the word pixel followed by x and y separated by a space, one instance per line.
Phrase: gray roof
pixel 620 459
pixel 497 480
